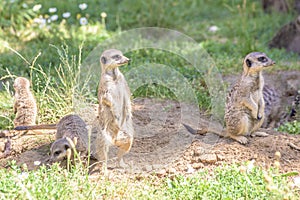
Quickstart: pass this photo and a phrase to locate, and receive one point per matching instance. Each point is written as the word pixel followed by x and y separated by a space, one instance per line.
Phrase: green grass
pixel 227 182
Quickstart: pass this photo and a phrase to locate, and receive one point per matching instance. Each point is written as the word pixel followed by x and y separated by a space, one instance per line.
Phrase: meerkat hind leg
pixel 124 143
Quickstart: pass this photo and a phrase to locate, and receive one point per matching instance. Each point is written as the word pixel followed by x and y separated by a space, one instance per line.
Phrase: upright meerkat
pixel 113 125
pixel 70 126
pixel 244 112
pixel 25 106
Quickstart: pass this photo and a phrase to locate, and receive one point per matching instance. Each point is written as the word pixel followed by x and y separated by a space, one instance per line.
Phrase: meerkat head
pixel 59 150
pixel 21 83
pixel 112 58
pixel 255 62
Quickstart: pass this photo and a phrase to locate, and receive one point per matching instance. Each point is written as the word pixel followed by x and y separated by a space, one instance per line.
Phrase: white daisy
pixel 52 10
pixel 83 6
pixel 66 15
pixel 54 17
pixel 37 7
pixel 83 21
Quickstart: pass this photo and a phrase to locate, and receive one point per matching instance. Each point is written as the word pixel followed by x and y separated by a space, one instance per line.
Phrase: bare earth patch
pixel 163 145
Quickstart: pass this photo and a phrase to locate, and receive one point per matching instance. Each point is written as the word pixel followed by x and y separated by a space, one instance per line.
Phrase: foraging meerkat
pixel 244 112
pixel 25 106
pixel 288 37
pixel 113 125
pixel 70 126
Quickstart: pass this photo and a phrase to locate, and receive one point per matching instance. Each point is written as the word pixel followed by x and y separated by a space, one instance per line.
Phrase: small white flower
pixel 24 5
pixel 54 17
pixel 66 15
pixel 83 21
pixel 83 6
pixel 52 10
pixel 23 176
pixel 37 163
pixel 103 15
pixel 41 21
pixel 37 7
pixel 213 29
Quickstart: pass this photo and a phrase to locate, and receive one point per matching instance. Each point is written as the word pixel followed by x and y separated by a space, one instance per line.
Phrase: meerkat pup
pixel 244 109
pixel 113 125
pixel 25 106
pixel 74 128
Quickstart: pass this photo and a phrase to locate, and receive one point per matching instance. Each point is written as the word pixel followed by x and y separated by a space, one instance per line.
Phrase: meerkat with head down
pixel 244 109
pixel 113 125
pixel 25 106
pixel 74 128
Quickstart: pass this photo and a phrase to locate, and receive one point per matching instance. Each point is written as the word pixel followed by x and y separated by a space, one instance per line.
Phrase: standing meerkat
pixel 113 125
pixel 25 106
pixel 244 109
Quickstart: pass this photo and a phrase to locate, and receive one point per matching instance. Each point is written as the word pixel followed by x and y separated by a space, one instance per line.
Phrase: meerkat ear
pixel 67 147
pixel 248 63
pixel 103 60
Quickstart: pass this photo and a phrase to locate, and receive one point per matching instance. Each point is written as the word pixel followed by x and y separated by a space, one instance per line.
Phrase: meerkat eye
pixel 248 62
pixel 116 57
pixel 262 59
pixel 56 153
pixel 67 147
pixel 103 60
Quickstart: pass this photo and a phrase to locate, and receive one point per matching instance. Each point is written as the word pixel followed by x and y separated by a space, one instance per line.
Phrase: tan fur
pixel 113 125
pixel 70 126
pixel 24 106
pixel 244 112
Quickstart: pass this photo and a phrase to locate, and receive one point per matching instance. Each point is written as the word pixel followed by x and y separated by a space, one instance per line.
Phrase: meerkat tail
pixel 201 131
pixel 204 130
pixel 35 127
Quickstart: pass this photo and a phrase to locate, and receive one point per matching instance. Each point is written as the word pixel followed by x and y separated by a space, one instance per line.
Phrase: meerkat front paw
pixel 239 138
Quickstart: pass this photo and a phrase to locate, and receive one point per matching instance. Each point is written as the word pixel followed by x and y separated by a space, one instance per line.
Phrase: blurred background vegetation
pixel 46 41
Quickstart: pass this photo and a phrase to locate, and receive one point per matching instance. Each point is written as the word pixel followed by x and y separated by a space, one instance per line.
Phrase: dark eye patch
pixel 56 153
pixel 116 57
pixel 262 59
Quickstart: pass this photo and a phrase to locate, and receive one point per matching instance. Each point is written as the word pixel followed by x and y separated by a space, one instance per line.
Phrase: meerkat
pixel 288 37
pixel 275 5
pixel 272 106
pixel 113 125
pixel 244 108
pixel 70 126
pixel 25 106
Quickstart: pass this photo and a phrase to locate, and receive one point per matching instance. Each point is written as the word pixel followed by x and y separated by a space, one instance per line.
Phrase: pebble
pixel 208 158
